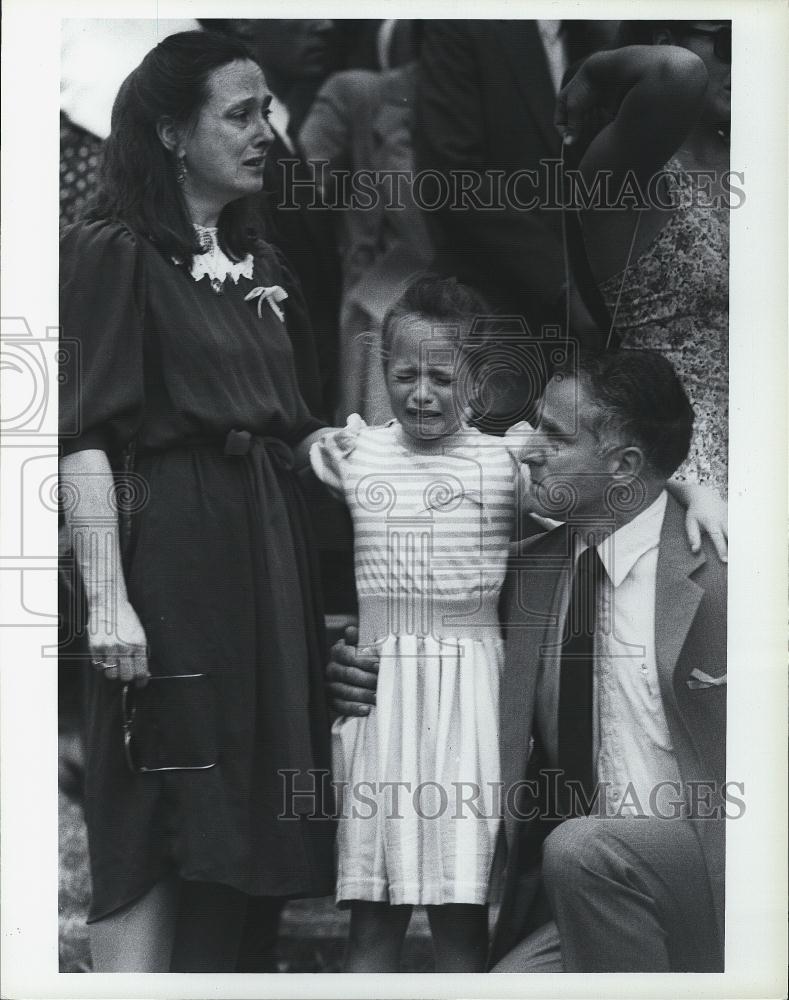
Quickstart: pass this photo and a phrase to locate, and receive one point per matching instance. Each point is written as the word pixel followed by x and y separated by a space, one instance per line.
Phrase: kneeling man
pixel 613 698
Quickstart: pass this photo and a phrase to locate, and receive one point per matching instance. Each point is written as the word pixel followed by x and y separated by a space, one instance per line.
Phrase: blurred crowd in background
pixel 387 97
pixel 358 104
pixel 457 109
pixel 379 98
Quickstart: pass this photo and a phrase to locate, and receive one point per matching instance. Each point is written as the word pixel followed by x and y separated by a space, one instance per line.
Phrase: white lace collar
pixel 215 264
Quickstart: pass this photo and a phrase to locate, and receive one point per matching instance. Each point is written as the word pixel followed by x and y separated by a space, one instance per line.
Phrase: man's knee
pixel 576 847
pixel 539 952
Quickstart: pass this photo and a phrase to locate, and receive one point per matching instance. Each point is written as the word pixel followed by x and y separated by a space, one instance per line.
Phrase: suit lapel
pixel 536 581
pixel 677 597
pixel 521 42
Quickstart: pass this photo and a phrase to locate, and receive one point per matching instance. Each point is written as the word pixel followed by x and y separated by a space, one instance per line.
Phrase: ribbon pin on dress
pixel 271 294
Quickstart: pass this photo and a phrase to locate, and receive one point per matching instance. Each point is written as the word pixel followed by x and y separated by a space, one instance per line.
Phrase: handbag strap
pixel 576 261
pixel 581 270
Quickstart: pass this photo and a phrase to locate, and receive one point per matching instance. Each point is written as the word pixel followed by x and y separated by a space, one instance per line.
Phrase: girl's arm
pixel 115 635
pixel 514 439
pixel 706 511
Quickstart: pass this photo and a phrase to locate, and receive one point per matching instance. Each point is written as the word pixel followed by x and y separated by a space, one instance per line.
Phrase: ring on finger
pixel 110 664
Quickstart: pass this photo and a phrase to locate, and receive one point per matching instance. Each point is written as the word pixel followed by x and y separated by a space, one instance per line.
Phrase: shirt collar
pixel 549 29
pixel 280 121
pixel 621 550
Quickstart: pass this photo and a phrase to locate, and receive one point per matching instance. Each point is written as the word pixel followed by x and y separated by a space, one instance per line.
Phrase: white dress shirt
pixel 634 751
pixel 632 745
pixel 555 47
pixel 279 120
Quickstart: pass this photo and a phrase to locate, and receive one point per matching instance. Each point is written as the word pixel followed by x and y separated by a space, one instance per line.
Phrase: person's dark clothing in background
pixel 485 105
pixel 303 232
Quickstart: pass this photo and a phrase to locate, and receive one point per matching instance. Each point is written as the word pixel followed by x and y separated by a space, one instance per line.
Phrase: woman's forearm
pixel 301 451
pixel 92 521
pixel 631 109
pixel 645 91
pixel 644 65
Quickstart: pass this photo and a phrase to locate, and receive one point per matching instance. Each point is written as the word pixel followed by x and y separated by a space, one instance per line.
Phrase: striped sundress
pixel 418 776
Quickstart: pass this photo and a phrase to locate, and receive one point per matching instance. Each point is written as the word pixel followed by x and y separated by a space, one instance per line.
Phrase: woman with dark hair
pixel 206 705
pixel 650 119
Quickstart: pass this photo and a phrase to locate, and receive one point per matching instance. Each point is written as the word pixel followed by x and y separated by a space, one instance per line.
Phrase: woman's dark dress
pixel 218 567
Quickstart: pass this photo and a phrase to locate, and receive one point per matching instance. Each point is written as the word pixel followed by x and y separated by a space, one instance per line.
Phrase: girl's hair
pixel 138 182
pixel 436 298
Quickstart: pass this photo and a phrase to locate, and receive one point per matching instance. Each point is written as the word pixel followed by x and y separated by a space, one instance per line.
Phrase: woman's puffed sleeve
pixel 329 455
pixel 101 312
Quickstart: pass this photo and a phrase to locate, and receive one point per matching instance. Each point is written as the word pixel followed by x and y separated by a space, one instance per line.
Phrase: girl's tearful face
pixel 421 379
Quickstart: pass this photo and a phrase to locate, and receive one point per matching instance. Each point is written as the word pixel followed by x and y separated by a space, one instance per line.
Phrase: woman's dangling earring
pixel 180 168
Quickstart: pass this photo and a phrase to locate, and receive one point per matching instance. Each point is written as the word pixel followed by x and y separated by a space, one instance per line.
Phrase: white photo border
pixel 757 864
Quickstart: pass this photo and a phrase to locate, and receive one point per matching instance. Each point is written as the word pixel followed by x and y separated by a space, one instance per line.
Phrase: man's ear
pixel 168 134
pixel 663 37
pixel 630 463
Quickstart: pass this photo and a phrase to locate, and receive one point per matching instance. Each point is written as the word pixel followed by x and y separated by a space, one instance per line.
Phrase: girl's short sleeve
pixel 515 440
pixel 329 454
pixel 101 313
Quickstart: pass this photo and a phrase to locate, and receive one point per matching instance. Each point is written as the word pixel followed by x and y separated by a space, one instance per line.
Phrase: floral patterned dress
pixel 675 299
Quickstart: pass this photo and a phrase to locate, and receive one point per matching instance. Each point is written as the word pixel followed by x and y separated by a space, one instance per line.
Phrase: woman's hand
pixel 301 451
pixel 655 76
pixel 575 105
pixel 117 643
pixel 707 512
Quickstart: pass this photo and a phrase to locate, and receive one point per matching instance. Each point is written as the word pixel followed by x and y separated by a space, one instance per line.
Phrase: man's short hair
pixel 640 401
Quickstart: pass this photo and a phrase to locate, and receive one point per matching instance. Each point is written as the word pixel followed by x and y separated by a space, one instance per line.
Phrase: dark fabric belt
pixel 240 443
pixel 236 444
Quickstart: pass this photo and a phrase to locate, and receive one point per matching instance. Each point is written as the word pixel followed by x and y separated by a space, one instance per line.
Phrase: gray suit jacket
pixel 690 634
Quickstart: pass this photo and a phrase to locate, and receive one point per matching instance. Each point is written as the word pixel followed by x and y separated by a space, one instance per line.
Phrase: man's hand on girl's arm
pixel 352 676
